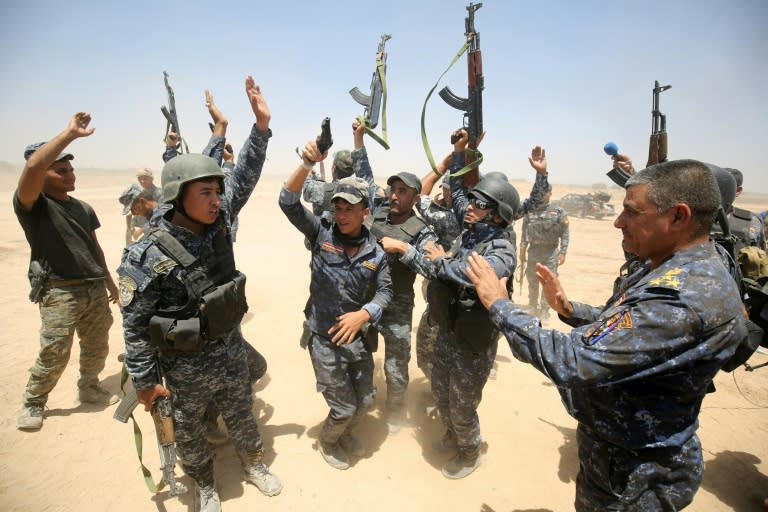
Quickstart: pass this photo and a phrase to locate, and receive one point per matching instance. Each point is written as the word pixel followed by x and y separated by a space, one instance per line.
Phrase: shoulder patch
pixel 370 265
pixel 669 280
pixel 163 266
pixel 619 320
pixel 127 286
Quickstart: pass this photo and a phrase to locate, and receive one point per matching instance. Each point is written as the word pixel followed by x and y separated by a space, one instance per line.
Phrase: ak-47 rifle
pixel 472 105
pixel 657 146
pixel 372 102
pixel 172 119
pixel 162 416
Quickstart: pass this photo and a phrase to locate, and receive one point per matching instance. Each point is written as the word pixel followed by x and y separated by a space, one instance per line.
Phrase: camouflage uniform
pixel 461 369
pixel 543 229
pixel 340 284
pixel 71 301
pixel 443 222
pixel 634 373
pixel 150 281
pixel 396 322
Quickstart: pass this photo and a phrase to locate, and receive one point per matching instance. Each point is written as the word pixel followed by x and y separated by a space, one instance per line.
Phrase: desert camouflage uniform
pixel 340 284
pixel 634 373
pixel 543 229
pixel 151 281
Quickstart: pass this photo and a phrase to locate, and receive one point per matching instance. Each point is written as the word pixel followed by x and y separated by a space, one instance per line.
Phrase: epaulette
pixel 142 262
pixel 672 279
pixel 742 213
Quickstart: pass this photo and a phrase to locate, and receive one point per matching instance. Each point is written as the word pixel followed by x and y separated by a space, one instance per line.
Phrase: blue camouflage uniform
pixel 397 320
pixel 340 284
pixel 151 281
pixel 443 222
pixel 634 373
pixel 462 364
pixel 543 230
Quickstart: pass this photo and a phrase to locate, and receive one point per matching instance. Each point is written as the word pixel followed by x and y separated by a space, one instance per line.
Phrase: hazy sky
pixel 570 76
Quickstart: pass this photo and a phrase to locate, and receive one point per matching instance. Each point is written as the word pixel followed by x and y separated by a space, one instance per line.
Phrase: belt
pixel 59 283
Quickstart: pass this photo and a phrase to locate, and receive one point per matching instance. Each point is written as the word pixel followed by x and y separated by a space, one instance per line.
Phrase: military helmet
pixel 186 168
pixel 496 175
pixel 503 193
pixel 726 183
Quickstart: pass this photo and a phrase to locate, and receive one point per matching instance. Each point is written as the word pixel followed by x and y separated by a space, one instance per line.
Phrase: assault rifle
pixel 657 146
pixel 172 119
pixel 472 105
pixel 372 102
pixel 162 416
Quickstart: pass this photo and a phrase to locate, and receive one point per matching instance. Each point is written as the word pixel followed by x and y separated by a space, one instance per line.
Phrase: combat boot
pixel 257 473
pixel 96 394
pixel 463 464
pixel 395 412
pixel 30 417
pixel 209 499
pixel 446 444
pixel 351 445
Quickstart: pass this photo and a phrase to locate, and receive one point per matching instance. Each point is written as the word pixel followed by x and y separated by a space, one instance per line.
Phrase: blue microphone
pixel 611 149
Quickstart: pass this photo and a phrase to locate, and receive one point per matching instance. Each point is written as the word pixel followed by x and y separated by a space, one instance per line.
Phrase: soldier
pixel 164 278
pixel 350 287
pixel 68 273
pixel 544 229
pixel 398 221
pixel 634 372
pixel 745 225
pixel 134 223
pixel 318 192
pixel 466 343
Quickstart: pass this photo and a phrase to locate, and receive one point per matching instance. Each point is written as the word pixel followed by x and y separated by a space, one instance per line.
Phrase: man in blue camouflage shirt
pixel 350 287
pixel 466 343
pixel 160 297
pixel 635 371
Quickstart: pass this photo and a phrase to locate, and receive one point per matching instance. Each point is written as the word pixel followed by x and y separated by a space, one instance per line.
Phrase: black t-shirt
pixel 60 233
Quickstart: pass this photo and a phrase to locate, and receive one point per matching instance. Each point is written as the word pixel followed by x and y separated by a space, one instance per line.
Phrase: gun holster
pixel 371 339
pixel 38 276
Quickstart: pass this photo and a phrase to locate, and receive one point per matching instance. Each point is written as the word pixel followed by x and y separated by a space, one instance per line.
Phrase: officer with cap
pixel 467 341
pixel 68 272
pixel 165 277
pixel 350 286
pixel 396 226
pixel 545 238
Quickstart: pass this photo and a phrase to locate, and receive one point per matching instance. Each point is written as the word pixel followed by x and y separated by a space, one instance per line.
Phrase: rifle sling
pixel 479 157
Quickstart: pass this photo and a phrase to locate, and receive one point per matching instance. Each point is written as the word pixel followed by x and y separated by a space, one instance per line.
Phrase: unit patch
pixel 619 320
pixel 161 266
pixel 329 247
pixel 126 288
pixel 370 265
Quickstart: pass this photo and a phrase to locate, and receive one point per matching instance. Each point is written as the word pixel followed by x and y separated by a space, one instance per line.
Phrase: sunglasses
pixel 481 203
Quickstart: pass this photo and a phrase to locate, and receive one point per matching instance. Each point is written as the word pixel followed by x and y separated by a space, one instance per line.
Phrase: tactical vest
pixel 740 221
pixel 402 276
pixel 544 228
pixel 457 309
pixel 216 300
pixel 327 204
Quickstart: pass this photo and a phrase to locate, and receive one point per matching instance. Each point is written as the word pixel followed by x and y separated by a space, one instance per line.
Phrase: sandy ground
pixel 84 460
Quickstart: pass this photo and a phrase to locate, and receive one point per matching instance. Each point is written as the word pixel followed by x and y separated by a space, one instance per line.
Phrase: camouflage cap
pixel 34 147
pixel 343 161
pixel 131 194
pixel 144 172
pixel 410 180
pixel 351 189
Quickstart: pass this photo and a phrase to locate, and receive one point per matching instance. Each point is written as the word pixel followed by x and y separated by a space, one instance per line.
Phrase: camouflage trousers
pixel 426 336
pixel 218 374
pixel 612 478
pixel 458 379
pixel 395 328
pixel 345 378
pixel 546 256
pixel 63 311
pixel 257 368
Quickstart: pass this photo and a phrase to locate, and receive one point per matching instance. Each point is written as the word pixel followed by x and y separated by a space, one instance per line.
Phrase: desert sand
pixel 84 460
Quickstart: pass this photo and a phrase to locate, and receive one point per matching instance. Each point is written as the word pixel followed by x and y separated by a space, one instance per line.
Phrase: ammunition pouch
pixel 371 339
pixel 466 318
pixel 220 310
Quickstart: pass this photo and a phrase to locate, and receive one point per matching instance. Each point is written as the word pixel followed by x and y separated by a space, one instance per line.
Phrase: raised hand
pixel 258 104
pixel 538 160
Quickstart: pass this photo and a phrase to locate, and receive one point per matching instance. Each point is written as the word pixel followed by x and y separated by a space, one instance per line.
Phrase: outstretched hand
pixel 258 104
pixel 78 125
pixel 553 291
pixel 219 119
pixel 538 160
